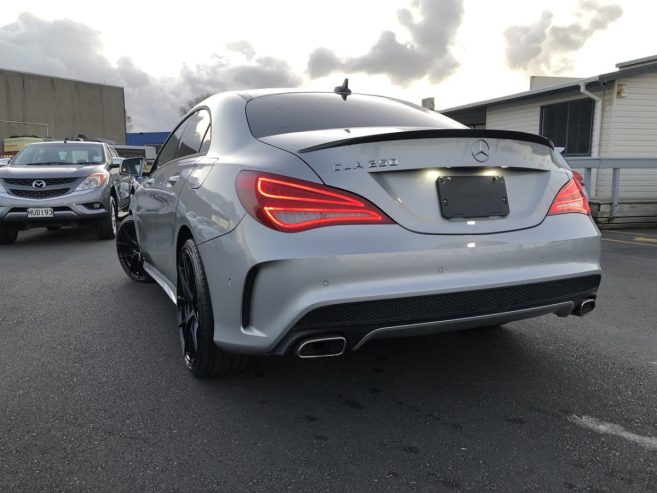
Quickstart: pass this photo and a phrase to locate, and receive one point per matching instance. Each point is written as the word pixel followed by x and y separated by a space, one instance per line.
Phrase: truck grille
pixel 39 194
pixel 27 182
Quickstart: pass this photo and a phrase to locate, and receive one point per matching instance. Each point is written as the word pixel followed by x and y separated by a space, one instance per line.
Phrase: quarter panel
pixel 214 209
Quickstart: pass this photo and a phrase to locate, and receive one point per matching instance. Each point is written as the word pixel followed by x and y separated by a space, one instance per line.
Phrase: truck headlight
pixel 92 181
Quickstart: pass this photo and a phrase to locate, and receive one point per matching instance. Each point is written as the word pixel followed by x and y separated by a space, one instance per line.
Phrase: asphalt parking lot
pixel 94 395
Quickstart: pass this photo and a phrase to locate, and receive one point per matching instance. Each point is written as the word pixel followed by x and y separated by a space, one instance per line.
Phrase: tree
pixel 192 102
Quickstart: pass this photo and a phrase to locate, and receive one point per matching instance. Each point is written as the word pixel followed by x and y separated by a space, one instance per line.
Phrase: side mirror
pixel 560 150
pixel 116 162
pixel 4 161
pixel 132 166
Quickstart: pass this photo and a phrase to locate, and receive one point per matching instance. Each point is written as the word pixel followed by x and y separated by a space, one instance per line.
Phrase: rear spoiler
pixel 434 134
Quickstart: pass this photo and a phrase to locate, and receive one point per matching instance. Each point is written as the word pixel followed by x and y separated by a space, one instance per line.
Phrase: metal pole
pixel 587 180
pixel 615 187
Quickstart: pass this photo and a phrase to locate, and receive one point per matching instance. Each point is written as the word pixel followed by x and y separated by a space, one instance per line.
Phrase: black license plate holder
pixel 472 196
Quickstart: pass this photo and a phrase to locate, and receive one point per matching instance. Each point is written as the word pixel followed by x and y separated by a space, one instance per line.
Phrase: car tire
pixel 8 236
pixel 106 230
pixel 129 252
pixel 196 321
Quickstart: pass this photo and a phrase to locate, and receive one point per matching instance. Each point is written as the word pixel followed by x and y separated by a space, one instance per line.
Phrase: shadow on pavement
pixel 41 236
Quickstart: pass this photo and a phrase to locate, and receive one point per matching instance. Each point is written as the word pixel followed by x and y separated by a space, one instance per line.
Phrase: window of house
pixel 569 125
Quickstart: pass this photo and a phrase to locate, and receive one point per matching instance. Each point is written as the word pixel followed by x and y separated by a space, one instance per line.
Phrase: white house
pixel 611 115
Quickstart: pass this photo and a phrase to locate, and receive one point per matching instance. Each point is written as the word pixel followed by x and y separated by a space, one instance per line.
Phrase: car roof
pixel 256 93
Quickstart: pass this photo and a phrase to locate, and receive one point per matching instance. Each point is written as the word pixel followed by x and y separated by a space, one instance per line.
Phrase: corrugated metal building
pixel 45 106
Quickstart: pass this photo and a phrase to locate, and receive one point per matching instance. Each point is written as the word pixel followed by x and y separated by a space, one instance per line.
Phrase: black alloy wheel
pixel 129 253
pixel 188 308
pixel 196 321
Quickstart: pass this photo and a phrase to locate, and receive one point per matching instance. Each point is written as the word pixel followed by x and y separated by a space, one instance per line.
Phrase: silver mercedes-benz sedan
pixel 310 223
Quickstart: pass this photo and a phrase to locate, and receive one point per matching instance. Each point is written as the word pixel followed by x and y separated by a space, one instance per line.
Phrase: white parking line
pixel 629 242
pixel 632 233
pixel 599 426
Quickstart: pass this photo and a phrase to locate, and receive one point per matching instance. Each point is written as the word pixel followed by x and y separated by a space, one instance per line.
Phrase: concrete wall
pixel 66 107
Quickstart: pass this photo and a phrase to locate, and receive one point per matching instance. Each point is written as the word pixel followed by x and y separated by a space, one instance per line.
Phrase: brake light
pixel 570 199
pixel 291 205
pixel 578 176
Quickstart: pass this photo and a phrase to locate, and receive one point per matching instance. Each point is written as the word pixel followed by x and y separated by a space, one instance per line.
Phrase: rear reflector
pixel 570 199
pixel 291 205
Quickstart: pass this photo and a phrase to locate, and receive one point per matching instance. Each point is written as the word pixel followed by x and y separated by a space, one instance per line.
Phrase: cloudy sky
pixel 457 51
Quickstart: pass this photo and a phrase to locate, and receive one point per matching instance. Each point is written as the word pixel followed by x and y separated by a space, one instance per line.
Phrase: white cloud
pixel 432 25
pixel 544 47
pixel 70 49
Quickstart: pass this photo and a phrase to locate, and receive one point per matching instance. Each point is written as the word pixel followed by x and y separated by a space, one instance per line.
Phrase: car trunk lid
pixel 399 170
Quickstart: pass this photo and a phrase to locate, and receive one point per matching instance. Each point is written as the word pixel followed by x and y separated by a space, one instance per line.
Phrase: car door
pixel 158 195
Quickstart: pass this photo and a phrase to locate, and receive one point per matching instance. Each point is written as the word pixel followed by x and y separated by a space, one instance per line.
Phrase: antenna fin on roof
pixel 343 90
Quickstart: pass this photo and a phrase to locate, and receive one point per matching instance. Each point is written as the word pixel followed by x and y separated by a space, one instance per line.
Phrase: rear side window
pixel 205 146
pixel 299 112
pixel 170 149
pixel 195 130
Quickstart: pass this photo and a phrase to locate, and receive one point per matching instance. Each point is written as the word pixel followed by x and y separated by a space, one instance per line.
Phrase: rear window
pixel 69 153
pixel 300 112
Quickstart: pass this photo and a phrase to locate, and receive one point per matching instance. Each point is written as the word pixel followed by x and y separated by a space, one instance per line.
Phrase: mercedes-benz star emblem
pixel 38 184
pixel 480 151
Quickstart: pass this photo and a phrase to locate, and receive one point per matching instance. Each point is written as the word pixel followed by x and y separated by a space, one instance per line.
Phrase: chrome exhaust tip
pixel 585 307
pixel 324 347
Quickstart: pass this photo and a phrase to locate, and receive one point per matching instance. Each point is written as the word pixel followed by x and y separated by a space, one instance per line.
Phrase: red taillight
pixel 291 205
pixel 570 199
pixel 580 179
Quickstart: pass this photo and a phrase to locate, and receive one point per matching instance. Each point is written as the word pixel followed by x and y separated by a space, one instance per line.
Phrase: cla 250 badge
pixel 372 163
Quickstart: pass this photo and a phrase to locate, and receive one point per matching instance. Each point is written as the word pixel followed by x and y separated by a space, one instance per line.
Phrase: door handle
pixel 173 179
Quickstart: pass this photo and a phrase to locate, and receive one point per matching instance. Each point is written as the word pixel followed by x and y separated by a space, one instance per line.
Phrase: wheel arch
pixel 113 194
pixel 184 234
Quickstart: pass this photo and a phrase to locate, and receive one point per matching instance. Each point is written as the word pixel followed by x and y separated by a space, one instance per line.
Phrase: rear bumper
pixel 359 322
pixel 73 208
pixel 269 289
